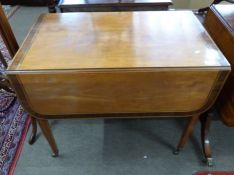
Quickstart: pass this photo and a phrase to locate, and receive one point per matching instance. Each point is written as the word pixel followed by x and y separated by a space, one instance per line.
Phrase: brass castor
pixel 209 162
pixel 32 139
pixel 56 154
pixel 176 151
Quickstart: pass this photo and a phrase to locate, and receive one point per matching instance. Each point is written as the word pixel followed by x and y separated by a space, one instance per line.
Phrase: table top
pixel 121 40
pixel 226 15
pixel 84 2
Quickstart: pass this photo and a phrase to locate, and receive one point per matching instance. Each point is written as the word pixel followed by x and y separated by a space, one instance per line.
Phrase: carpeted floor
pixel 14 123
pixel 125 147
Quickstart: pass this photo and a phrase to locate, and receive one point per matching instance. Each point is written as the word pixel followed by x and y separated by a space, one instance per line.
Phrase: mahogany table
pixel 220 24
pixel 112 5
pixel 79 65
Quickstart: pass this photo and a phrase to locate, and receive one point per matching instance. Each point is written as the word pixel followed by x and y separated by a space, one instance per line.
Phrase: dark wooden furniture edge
pixel 218 15
pixel 26 44
pixel 108 7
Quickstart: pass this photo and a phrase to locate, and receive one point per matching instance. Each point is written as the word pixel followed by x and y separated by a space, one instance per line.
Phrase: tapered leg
pixel 34 131
pixel 186 133
pixel 205 120
pixel 44 125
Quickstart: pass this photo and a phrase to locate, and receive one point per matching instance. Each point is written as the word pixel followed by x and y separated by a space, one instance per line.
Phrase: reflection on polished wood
pixel 104 41
pixel 82 64
pixel 220 24
pixel 113 5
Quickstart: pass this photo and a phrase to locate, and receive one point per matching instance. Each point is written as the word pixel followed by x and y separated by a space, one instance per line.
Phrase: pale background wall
pixel 191 4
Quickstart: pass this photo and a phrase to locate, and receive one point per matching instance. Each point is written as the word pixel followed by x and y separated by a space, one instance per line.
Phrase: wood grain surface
pixel 104 40
pixel 119 92
pixel 97 63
